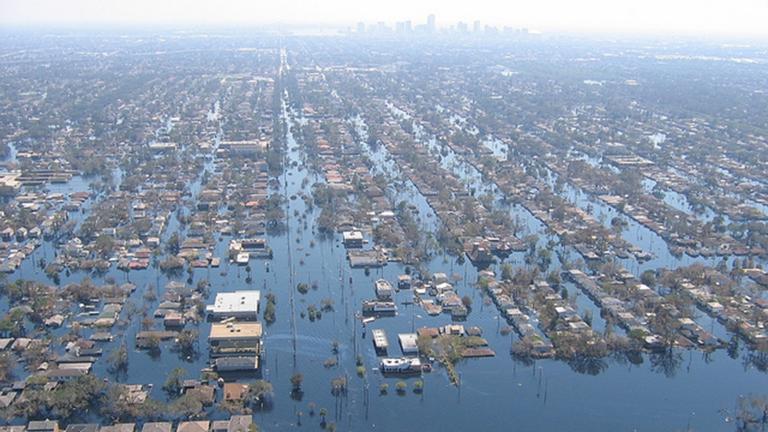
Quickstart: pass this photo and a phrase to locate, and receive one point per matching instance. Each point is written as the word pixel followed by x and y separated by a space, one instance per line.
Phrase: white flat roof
pixel 408 341
pixel 352 235
pixel 236 302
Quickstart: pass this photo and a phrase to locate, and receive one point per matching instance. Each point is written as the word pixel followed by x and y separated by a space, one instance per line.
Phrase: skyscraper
pixel 431 26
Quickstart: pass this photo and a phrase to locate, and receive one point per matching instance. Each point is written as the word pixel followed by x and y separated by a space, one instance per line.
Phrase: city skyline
pixel 711 18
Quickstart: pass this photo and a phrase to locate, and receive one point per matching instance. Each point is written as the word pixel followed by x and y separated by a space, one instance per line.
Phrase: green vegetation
pixel 118 359
pixel 302 288
pixel 296 380
pixel 63 402
pixel 339 385
pixel 259 393
pixel 173 383
pixel 418 386
pixel 270 309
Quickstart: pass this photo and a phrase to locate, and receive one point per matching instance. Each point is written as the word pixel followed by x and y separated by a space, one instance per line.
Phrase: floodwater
pixel 687 389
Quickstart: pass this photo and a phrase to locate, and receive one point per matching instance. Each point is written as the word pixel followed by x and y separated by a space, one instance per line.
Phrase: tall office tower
pixel 431 26
pixel 476 27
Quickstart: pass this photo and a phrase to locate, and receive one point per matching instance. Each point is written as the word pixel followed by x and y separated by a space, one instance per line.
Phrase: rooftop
pixel 237 302
pixel 224 331
pixel 352 235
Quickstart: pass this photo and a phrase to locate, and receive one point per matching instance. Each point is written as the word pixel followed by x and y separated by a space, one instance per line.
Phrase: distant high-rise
pixel 431 25
pixel 361 27
pixel 403 27
pixel 476 27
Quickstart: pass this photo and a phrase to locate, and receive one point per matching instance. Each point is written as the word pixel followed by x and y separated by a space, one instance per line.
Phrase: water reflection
pixel 588 365
pixel 666 362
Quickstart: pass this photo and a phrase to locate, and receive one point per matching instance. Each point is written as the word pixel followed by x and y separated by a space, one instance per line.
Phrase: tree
pixel 648 278
pixel 752 413
pixel 296 380
pixel 269 310
pixel 152 343
pixel 418 386
pixel 75 397
pixel 553 278
pixel 116 404
pixel 174 244
pixel 104 245
pixel 339 385
pixel 665 325
pixel 118 359
pixel 187 406
pixel 187 342
pixel 35 355
pixel 6 367
pixel 259 393
pixel 174 383
pixel 302 287
pixel 13 323
pixel 506 271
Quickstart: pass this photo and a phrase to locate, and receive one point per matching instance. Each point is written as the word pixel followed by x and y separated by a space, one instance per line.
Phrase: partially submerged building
pixel 242 305
pixel 235 346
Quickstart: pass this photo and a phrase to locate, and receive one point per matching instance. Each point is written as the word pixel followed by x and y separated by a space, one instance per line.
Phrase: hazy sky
pixel 734 17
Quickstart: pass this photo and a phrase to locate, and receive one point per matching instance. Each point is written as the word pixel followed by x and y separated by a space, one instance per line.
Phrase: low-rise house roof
pixel 235 391
pixel 6 399
pixel 64 374
pixel 157 427
pixel 219 425
pixel 43 426
pixel 235 331
pixel 206 394
pixel 194 426
pixel 119 427
pixel 83 427
pixel 240 423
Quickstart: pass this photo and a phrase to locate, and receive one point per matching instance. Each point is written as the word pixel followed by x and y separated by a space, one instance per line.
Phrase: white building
pixel 352 239
pixel 408 343
pixel 403 365
pixel 238 304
